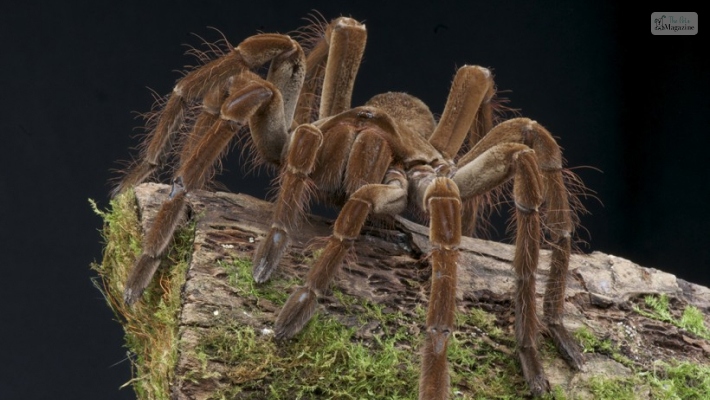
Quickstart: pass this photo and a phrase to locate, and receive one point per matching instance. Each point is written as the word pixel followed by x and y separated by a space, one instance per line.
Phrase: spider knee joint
pixel 439 337
pixel 525 209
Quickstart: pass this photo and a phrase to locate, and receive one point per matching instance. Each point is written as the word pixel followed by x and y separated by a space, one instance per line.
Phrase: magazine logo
pixel 674 23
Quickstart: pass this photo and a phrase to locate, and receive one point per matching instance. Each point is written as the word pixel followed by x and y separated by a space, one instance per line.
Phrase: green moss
pixel 150 325
pixel 681 380
pixel 328 359
pixel 613 388
pixel 591 344
pixel 675 380
pixel 678 380
pixel 691 320
pixel 369 352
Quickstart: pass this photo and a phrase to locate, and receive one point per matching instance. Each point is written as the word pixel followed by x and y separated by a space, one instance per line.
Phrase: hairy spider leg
pixel 443 203
pixel 338 63
pixel 368 165
pixel 332 65
pixel 294 195
pixel 467 115
pixel 559 220
pixel 287 71
pixel 485 158
pixel 347 39
pixel 527 193
pixel 251 100
pixel 441 197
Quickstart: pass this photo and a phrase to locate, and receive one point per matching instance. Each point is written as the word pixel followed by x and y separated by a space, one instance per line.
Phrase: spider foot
pixel 269 253
pixel 298 310
pixel 140 278
pixel 566 346
pixel 533 371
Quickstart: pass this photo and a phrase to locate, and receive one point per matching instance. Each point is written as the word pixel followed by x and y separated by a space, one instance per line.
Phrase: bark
pixel 390 267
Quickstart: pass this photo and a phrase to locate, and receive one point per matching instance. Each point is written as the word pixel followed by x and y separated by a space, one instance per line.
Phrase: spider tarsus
pixel 128 297
pixel 566 346
pixel 296 313
pixel 139 278
pixel 269 253
pixel 533 371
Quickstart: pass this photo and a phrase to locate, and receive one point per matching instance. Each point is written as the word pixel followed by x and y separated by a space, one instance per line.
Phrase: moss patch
pixel 665 380
pixel 364 351
pixel 691 319
pixel 150 325
pixel 677 380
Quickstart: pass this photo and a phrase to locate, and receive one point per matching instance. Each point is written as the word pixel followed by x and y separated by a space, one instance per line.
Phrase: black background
pixel 629 108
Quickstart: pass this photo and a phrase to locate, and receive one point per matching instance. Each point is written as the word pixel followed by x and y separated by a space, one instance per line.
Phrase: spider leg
pixel 344 150
pixel 250 100
pixel 155 242
pixel 294 194
pixel 524 148
pixel 469 96
pixel 332 64
pixel 527 191
pixel 346 38
pixel 286 72
pixel 389 197
pixel 492 168
pixel 559 220
pixel 467 112
pixel 442 200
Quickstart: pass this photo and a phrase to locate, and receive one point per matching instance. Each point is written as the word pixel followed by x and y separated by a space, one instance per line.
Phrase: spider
pixel 377 159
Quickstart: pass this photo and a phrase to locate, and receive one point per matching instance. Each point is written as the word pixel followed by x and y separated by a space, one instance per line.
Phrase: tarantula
pixel 375 159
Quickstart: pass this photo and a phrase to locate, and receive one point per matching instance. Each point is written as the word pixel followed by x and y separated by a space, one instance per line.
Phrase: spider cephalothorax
pixel 377 159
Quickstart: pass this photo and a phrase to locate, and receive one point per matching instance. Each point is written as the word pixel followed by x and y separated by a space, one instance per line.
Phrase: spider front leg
pixel 527 193
pixel 250 99
pixel 523 148
pixel 287 71
pixel 487 171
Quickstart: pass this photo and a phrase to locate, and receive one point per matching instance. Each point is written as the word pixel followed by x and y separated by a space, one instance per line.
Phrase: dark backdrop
pixel 630 109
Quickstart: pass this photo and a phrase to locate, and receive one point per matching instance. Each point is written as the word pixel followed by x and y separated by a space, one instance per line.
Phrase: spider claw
pixel 298 310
